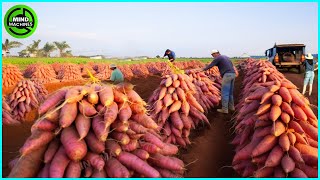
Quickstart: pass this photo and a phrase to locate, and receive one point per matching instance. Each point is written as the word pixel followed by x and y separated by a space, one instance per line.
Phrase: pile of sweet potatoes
pixel 69 72
pixel 276 130
pixel 11 75
pixel 96 131
pixel 175 109
pixel 40 72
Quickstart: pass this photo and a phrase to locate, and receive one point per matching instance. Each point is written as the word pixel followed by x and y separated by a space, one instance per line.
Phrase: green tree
pixel 67 54
pixel 7 45
pixel 62 46
pixel 48 49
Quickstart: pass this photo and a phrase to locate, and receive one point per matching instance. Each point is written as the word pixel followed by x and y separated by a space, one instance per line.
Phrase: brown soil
pixel 210 153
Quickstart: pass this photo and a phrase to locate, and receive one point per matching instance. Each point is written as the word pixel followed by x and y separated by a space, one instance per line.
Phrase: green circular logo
pixel 20 21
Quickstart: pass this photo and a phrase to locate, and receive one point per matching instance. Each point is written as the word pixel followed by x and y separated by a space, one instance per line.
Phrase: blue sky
pixel 189 29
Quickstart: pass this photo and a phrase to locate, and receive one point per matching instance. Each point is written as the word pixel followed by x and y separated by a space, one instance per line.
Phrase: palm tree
pixel 47 49
pixel 7 45
pixel 62 46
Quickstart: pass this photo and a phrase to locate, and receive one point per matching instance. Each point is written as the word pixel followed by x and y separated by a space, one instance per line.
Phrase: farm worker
pixel 309 64
pixel 228 77
pixel 116 75
pixel 171 55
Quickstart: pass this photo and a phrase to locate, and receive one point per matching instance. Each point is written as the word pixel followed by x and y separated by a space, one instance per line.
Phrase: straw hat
pixel 309 56
pixel 112 66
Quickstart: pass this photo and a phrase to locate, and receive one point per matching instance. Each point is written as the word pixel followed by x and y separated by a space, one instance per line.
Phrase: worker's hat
pixel 214 51
pixel 112 66
pixel 309 56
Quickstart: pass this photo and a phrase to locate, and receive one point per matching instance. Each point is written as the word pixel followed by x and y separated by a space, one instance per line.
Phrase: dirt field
pixel 210 155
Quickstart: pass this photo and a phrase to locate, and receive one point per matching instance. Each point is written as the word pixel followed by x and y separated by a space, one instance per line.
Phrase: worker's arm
pixel 213 63
pixel 316 64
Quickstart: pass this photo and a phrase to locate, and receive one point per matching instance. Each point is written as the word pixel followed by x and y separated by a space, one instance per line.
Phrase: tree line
pixel 34 50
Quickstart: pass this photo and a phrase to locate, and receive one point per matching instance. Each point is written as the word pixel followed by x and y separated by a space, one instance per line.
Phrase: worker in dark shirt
pixel 228 77
pixel 171 55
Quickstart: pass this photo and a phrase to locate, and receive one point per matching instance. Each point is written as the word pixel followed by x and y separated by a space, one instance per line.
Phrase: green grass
pixel 22 63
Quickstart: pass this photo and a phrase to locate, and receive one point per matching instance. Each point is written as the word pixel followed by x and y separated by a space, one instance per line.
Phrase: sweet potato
pixel 148 137
pixel 166 162
pixel 115 169
pixel 292 138
pixel 309 129
pixel 106 96
pixel 59 163
pixel 94 144
pixel 295 94
pixel 285 94
pixel 266 97
pixel 287 164
pixel 169 149
pixel 175 107
pixel 284 142
pixel 35 141
pixel 83 125
pixel 285 117
pixel 265 145
pixel 165 173
pixel 275 113
pixel 298 112
pixel 68 114
pixel 295 154
pixel 275 156
pixel 111 114
pixel 28 165
pixel 121 137
pixel 278 128
pixel 298 173
pixel 43 125
pixel 145 120
pixel 113 148
pixel 52 101
pixel 86 108
pixel 279 173
pixel 263 108
pixel 99 128
pixel 45 171
pixel 309 171
pixel 52 149
pixel 133 162
pixel 136 127
pixel 94 160
pixel 131 146
pixel 150 148
pixel 73 170
pixel 142 154
pixel 75 149
pixel 285 107
pixel 264 172
pixel 296 126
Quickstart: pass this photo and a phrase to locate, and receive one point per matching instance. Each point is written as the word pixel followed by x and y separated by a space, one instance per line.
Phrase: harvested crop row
pixel 175 108
pixel 84 68
pixel 24 98
pixel 96 131
pixel 208 92
pixel 276 130
pixel 43 74
pixel 69 72
pixel 139 70
pixel 6 114
pixel 127 73
pixel 11 75
pixel 103 71
pixel 41 91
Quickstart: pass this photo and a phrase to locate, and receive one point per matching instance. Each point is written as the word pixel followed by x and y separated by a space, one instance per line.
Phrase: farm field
pixel 210 153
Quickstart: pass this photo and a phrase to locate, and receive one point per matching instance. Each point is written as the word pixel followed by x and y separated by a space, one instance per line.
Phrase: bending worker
pixel 171 55
pixel 309 64
pixel 116 75
pixel 228 77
